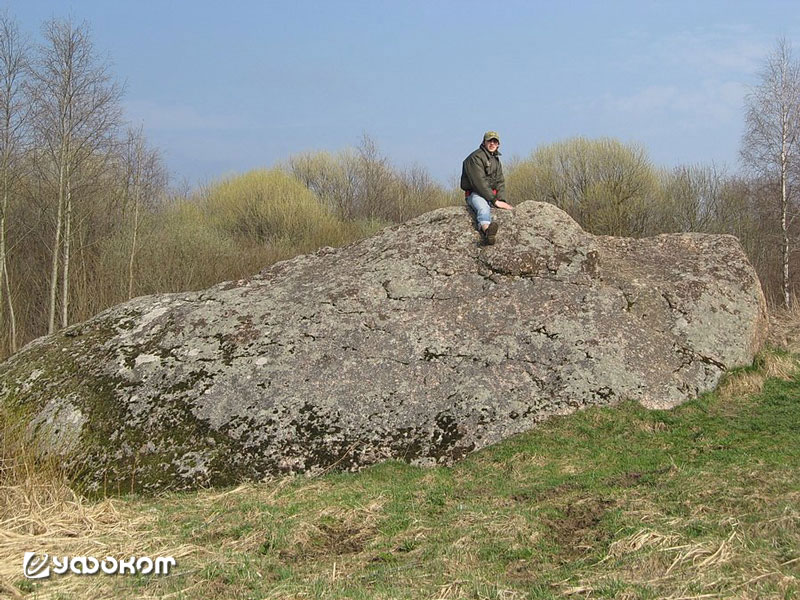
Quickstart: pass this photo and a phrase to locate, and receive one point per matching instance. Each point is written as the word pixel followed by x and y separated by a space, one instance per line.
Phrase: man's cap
pixel 491 135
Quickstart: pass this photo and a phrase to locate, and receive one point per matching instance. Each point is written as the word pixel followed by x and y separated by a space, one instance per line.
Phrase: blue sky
pixel 224 87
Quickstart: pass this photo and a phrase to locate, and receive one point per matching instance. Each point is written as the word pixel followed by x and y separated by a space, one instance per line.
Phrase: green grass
pixel 702 501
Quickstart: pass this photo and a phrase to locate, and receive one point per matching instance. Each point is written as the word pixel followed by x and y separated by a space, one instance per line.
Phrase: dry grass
pixel 735 559
pixel 645 538
pixel 749 383
pixel 39 512
pixel 703 555
pixel 673 566
pixel 784 327
pixel 783 366
pixel 337 539
pixel 741 385
pixel 44 515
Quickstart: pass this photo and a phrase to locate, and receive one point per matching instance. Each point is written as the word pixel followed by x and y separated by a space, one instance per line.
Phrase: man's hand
pixel 501 204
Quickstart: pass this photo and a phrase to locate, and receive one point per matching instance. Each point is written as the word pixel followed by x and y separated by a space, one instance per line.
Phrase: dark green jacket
pixel 481 173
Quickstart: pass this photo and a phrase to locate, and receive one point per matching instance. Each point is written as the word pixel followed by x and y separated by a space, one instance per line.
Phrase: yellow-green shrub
pixel 266 206
pixel 181 250
pixel 603 184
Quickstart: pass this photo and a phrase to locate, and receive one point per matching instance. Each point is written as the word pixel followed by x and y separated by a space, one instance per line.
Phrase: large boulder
pixel 418 343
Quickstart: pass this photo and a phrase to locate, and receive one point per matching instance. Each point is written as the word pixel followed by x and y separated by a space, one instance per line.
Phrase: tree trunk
pixel 65 275
pixel 51 324
pixel 784 208
pixel 785 230
pixel 771 144
pixel 4 279
pixel 133 244
pixel 12 319
pixel 87 306
pixel 3 209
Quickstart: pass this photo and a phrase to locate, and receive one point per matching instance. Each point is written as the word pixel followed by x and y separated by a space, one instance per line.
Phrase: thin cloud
pixel 180 117
pixel 713 50
pixel 705 51
pixel 717 101
pixel 700 76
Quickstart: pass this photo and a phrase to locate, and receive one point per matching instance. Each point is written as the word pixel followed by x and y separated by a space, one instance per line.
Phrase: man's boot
pixel 490 233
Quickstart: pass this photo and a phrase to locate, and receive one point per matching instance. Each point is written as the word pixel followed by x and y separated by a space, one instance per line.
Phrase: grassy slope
pixel 699 502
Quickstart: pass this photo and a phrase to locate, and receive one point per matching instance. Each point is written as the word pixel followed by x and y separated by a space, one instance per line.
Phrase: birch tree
pixel 770 142
pixel 77 111
pixel 13 119
pixel 145 179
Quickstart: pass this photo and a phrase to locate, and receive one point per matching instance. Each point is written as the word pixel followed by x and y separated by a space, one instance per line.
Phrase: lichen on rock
pixel 418 343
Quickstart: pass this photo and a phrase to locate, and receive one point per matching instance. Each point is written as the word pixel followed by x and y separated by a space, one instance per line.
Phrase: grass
pixel 702 501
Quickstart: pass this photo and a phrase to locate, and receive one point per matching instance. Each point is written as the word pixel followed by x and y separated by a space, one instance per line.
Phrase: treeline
pixel 87 218
pixel 68 174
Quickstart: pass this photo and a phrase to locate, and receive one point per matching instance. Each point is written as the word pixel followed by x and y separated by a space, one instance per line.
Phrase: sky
pixel 224 87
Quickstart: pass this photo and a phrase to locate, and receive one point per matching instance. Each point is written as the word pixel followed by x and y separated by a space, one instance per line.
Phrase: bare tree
pixel 770 142
pixel 145 178
pixel 690 198
pixel 13 119
pixel 333 178
pixel 77 111
pixel 376 178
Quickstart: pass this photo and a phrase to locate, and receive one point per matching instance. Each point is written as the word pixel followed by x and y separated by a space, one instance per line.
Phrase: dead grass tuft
pixel 780 366
pixel 662 560
pixel 50 509
pixel 703 555
pixel 643 539
pixel 741 385
pixel 334 531
pixel 454 589
pixel 652 426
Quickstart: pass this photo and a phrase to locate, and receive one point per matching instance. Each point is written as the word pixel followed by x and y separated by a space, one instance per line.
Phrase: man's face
pixel 492 144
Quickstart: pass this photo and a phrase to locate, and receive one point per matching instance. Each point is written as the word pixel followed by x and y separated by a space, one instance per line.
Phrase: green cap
pixel 491 134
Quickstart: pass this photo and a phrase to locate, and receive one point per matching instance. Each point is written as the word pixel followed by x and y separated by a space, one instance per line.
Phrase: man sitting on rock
pixel 483 183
